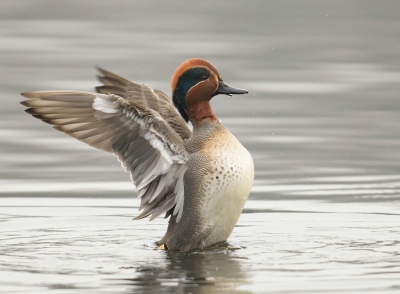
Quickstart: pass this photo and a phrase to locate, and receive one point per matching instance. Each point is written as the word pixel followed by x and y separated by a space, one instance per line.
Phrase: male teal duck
pixel 200 179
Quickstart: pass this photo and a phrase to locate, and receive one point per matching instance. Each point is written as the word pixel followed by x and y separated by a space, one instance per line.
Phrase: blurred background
pixel 321 121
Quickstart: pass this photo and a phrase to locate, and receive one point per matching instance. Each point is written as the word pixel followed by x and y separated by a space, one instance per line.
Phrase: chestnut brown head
pixel 196 81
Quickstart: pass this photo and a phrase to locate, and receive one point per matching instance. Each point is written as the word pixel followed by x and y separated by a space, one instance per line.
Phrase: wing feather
pixel 147 146
pixel 145 96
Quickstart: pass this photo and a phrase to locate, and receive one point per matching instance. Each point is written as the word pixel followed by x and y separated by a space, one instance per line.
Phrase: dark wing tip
pixel 98 68
pixel 31 111
pixel 104 72
pixel 105 90
pixel 25 102
pixel 99 78
pixel 27 94
pixel 98 89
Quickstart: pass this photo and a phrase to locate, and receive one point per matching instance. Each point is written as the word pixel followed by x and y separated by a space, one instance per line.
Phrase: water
pixel 321 122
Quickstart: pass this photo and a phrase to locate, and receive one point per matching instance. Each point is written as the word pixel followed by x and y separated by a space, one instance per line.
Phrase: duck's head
pixel 193 84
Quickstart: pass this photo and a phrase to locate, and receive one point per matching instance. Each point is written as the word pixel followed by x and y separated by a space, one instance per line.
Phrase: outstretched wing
pixel 145 144
pixel 144 95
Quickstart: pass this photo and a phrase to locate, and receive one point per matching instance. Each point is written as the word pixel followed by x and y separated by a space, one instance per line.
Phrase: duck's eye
pixel 204 78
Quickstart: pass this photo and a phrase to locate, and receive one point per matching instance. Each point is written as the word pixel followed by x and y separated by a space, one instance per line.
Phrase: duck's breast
pixel 228 185
pixel 217 185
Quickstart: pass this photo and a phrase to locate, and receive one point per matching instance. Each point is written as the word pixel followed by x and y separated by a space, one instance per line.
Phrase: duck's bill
pixel 228 90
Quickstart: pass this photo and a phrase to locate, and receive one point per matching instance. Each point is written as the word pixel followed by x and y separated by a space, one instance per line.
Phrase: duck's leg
pixel 161 245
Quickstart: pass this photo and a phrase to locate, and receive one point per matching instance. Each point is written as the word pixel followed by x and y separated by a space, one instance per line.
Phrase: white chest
pixel 227 186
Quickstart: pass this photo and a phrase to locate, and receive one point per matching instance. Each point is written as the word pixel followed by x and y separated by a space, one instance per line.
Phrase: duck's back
pixel 217 183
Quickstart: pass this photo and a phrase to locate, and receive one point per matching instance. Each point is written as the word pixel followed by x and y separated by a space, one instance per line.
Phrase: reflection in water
pixel 213 270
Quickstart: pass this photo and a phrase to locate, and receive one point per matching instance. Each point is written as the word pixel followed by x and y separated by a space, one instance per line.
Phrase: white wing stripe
pixel 103 104
pixel 159 165
pixel 179 191
pixel 159 189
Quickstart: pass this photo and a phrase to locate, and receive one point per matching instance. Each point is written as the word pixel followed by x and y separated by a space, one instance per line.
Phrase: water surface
pixel 321 122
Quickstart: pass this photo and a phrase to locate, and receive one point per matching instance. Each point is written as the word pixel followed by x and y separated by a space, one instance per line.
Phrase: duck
pixel 199 177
